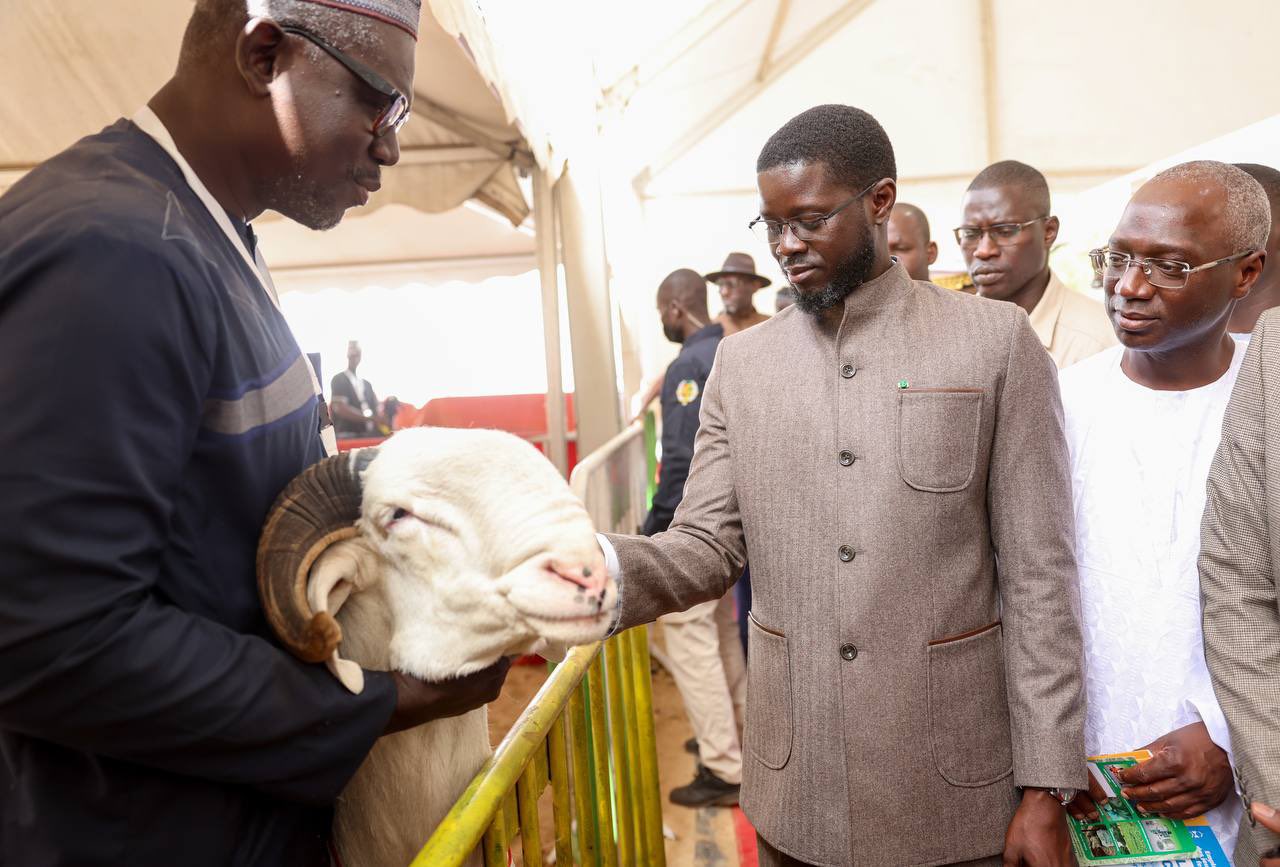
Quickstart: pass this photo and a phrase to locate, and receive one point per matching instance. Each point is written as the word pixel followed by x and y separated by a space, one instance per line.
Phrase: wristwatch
pixel 1064 796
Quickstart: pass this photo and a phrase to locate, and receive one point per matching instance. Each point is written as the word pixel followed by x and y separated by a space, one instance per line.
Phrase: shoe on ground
pixel 691 746
pixel 706 790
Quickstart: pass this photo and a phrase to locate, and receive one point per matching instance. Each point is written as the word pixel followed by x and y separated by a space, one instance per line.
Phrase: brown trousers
pixel 771 857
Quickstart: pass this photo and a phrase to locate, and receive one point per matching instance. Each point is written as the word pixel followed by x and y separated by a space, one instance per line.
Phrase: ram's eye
pixel 399 513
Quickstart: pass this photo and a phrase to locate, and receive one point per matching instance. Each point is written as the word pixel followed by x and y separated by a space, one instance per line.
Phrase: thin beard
pixel 851 273
pixel 304 203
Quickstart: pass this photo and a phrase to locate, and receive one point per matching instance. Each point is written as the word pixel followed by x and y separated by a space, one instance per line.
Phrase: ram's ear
pixel 344 568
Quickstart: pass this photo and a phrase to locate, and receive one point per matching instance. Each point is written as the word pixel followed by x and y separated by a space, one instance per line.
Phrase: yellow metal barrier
pixel 588 734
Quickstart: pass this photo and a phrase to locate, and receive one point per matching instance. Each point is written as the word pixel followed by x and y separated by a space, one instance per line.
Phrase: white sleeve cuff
pixel 614 568
pixel 1209 713
pixel 610 557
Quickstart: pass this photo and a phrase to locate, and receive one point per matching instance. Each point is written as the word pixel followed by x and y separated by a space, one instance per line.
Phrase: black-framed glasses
pixel 803 228
pixel 396 112
pixel 1004 234
pixel 1111 265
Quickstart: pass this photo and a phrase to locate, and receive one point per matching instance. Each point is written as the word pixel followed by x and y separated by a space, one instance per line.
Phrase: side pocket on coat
pixel 969 708
pixel 768 729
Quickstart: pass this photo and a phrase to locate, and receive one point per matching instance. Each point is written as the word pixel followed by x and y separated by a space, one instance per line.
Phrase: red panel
pixel 521 414
pixel 746 836
pixel 358 443
pixel 524 415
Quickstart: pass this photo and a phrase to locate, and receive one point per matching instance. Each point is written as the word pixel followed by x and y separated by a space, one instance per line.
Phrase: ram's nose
pixel 591 579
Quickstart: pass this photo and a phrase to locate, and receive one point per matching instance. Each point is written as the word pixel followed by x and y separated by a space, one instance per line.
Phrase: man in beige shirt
pixel 1006 237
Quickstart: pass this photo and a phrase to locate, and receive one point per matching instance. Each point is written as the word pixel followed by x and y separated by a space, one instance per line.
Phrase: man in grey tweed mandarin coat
pixel 1239 551
pixel 894 451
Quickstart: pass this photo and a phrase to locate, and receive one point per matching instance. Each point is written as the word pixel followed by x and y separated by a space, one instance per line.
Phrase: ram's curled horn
pixel 319 508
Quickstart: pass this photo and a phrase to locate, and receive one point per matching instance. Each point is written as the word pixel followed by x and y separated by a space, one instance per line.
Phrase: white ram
pixel 438 552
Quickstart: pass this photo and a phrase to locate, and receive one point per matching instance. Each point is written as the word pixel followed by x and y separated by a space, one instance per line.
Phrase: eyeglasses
pixel 1004 234
pixel 803 228
pixel 396 112
pixel 1111 265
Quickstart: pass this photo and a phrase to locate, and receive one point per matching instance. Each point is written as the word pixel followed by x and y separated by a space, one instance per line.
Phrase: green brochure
pixel 1121 834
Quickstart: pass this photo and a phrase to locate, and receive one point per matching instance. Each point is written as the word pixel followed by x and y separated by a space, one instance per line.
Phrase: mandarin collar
pixel 872 297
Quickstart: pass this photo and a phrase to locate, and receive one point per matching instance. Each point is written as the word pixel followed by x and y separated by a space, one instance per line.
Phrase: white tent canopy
pixel 97 61
pixel 687 92
pixel 1087 92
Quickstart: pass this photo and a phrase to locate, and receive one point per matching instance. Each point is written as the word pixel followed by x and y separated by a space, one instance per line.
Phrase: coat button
pixel 846 553
pixel 848 652
pixel 846 458
pixel 848 370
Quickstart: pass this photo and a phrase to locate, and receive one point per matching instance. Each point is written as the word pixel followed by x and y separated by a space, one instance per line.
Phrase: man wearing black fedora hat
pixel 738 282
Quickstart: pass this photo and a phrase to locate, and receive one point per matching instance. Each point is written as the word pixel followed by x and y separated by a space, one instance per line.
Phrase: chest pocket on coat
pixel 938 437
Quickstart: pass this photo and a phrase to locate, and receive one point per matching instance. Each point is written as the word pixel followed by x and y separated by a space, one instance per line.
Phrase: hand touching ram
pixel 436 555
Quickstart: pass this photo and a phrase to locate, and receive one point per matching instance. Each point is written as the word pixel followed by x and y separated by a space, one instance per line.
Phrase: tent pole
pixel 545 240
pixel 775 30
pixel 589 304
pixel 990 102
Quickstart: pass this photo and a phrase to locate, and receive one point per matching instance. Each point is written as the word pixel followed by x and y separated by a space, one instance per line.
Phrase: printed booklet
pixel 1122 835
pixel 1211 852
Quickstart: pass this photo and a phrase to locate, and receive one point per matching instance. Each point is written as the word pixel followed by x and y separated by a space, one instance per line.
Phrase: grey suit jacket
pixel 1239 547
pixel 914 649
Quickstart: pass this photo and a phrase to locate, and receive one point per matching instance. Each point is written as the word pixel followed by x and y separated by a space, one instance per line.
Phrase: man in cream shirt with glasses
pixel 1006 237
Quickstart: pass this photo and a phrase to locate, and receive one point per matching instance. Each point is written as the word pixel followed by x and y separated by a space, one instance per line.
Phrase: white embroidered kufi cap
pixel 402 13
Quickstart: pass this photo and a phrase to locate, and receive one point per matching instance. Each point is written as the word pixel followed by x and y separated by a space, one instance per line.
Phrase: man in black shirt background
pixel 703 648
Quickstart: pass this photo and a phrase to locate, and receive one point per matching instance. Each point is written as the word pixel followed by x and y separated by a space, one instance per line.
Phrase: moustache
pixel 1115 304
pixel 371 181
